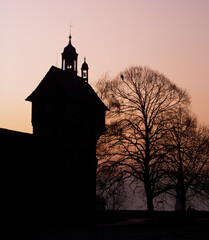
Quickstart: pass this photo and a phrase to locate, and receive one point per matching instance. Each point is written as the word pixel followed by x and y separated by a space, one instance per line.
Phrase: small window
pixel 74 65
pixel 63 64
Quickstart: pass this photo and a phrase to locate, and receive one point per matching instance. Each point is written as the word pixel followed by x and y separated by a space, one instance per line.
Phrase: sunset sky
pixel 171 36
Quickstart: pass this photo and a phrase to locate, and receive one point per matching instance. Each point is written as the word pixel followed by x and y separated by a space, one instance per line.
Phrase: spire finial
pixel 70 37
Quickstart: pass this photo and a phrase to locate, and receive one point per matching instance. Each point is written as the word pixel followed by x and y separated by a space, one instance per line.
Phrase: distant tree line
pixel 151 138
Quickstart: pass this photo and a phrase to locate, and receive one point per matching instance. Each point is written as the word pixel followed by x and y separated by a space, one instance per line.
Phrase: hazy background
pixel 171 36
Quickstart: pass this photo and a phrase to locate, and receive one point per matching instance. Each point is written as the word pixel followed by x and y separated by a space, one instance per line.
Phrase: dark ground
pixel 123 225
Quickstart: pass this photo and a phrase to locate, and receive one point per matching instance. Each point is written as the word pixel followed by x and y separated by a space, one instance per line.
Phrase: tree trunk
pixel 150 206
pixel 147 183
pixel 180 195
pixel 180 188
pixel 148 189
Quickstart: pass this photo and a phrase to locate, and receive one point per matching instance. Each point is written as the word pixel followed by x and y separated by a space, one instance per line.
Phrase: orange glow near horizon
pixel 169 36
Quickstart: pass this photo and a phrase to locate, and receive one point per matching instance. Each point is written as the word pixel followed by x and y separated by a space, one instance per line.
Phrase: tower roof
pixel 69 50
pixel 85 65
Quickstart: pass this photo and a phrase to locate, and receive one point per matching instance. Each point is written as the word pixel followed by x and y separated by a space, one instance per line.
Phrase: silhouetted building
pixel 18 175
pixel 58 161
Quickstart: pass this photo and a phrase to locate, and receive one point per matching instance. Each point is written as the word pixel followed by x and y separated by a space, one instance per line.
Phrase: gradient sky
pixel 171 36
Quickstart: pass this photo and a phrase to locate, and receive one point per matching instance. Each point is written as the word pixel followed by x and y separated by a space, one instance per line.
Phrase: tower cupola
pixel 84 71
pixel 69 58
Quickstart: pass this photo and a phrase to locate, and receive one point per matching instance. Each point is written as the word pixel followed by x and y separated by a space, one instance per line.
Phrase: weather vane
pixel 70 27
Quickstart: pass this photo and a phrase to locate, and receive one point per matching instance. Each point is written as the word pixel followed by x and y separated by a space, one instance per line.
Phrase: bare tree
pixel 140 101
pixel 188 149
pixel 111 188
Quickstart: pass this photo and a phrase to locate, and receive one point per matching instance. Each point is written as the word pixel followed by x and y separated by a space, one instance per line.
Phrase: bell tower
pixel 84 71
pixel 69 58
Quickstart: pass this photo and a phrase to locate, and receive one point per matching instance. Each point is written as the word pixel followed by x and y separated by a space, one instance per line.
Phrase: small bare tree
pixel 140 101
pixel 187 158
pixel 111 188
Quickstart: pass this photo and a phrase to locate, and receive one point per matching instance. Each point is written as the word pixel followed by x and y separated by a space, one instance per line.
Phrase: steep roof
pixel 58 83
